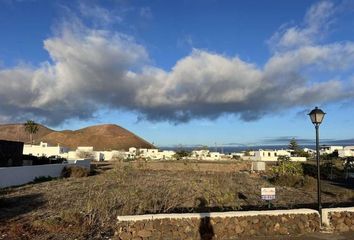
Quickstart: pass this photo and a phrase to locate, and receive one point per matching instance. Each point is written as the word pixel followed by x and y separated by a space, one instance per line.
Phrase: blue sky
pixel 180 72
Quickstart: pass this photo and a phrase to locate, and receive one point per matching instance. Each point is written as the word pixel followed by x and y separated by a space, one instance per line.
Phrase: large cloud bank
pixel 92 69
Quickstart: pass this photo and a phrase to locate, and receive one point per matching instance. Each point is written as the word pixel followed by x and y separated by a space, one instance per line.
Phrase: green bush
pixel 286 167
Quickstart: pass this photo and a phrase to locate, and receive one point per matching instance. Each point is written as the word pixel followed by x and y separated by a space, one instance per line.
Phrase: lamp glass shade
pixel 317 116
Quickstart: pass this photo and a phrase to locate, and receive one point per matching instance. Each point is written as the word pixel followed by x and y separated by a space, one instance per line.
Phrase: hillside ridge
pixel 101 137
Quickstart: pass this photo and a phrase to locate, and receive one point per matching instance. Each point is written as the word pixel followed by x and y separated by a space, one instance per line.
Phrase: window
pixel 269 154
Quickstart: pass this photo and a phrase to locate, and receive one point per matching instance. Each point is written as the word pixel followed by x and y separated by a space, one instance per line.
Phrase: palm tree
pixel 32 128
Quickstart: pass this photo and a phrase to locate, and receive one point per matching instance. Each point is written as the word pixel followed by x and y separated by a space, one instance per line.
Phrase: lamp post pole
pixel 317 116
pixel 318 172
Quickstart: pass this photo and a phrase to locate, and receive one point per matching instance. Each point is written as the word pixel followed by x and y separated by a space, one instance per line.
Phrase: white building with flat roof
pixel 44 149
pixel 329 149
pixel 347 151
pixel 205 154
pixel 156 154
pixel 272 155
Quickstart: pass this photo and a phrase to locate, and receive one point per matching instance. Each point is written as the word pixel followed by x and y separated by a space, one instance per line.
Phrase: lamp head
pixel 316 116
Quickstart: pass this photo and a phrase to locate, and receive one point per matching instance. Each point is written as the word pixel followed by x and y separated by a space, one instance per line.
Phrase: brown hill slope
pixel 16 132
pixel 101 137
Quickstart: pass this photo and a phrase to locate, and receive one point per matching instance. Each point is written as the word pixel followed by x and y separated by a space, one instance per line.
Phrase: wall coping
pixel 215 214
pixel 326 211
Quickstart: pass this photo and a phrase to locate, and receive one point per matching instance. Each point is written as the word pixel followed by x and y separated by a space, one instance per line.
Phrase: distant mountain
pixel 101 137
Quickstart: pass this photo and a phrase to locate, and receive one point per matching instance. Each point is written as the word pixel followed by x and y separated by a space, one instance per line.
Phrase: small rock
pixel 342 227
pixel 144 233
pixel 244 223
pixel 239 229
pixel 284 219
pixel 255 221
pixel 125 236
pixel 276 227
pixel 283 230
pixel 348 221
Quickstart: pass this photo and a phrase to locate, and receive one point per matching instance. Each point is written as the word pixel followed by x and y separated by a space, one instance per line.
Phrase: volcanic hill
pixel 101 137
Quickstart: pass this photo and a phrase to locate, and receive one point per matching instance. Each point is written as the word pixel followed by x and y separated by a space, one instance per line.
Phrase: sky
pixel 181 72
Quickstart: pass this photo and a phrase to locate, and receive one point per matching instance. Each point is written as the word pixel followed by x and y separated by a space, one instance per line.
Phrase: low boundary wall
pixel 339 219
pixel 224 225
pixel 86 163
pixel 14 176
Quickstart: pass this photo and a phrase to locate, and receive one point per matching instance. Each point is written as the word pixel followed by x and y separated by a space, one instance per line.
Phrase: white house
pixel 329 149
pixel 166 154
pixel 309 151
pixel 347 151
pixel 205 155
pixel 272 155
pixel 44 149
pixel 213 156
pixel 155 154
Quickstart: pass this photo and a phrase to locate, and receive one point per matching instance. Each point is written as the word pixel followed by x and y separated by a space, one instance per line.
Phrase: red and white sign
pixel 268 193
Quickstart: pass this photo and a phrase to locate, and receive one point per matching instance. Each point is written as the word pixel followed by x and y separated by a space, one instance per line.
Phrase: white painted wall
pixel 347 151
pixel 86 163
pixel 329 149
pixel 13 176
pixel 85 148
pixel 272 155
pixel 269 155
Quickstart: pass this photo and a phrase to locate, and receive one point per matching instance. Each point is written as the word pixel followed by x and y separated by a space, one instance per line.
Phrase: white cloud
pixel 316 23
pixel 101 16
pixel 90 69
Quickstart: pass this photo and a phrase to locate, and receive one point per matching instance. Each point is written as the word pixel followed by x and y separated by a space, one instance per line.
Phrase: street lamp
pixel 317 116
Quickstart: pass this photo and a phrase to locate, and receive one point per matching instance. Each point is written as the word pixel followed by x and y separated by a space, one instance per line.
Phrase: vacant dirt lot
pixel 86 208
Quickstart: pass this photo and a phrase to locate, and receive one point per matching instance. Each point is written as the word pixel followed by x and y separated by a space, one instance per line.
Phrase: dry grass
pixel 85 208
pixel 75 171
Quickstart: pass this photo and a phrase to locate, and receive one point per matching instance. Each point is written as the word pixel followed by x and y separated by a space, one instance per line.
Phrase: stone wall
pixel 217 225
pixel 339 219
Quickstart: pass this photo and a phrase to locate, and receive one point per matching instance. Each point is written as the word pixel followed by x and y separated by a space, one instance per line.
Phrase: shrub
pixel 74 171
pixel 86 154
pixel 286 167
pixel 295 181
pixel 181 154
pixel 42 179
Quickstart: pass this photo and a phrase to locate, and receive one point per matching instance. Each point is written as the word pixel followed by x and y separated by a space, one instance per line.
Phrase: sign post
pixel 268 194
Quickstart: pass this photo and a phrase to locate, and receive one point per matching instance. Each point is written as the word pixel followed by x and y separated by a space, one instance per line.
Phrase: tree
pixel 282 161
pixel 32 128
pixel 293 145
pixel 181 154
pixel 297 151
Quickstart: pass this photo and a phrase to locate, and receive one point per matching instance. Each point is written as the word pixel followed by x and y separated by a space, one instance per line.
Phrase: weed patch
pixel 74 171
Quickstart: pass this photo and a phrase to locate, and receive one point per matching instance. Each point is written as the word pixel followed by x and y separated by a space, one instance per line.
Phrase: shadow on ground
pixel 14 206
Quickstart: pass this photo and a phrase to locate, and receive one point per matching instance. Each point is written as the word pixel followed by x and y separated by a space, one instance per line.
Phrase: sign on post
pixel 268 193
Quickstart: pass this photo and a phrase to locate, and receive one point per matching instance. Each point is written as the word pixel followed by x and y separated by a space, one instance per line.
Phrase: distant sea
pixel 230 149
